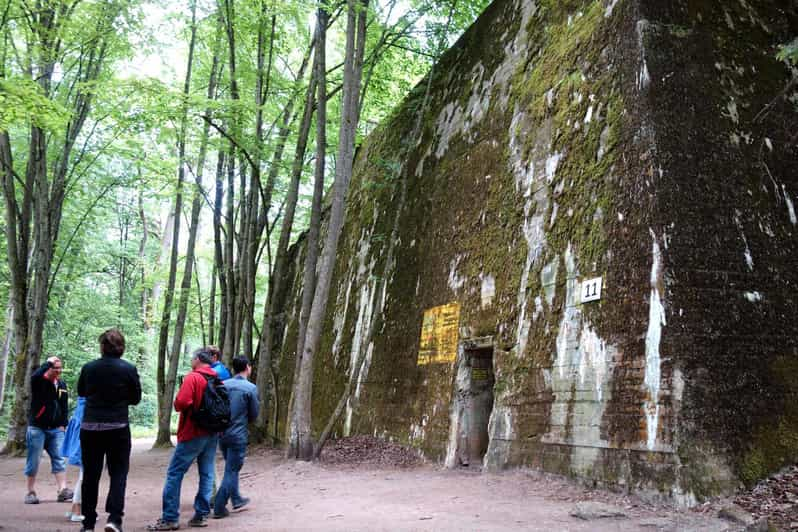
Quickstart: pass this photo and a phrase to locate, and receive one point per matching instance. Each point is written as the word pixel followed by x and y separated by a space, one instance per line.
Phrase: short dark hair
pixel 112 343
pixel 214 351
pixel 240 364
pixel 203 355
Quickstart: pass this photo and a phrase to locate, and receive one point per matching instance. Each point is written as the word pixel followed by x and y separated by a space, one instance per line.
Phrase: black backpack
pixel 213 413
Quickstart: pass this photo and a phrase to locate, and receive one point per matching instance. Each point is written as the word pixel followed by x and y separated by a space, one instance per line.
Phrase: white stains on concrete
pixel 501 430
pixel 538 308
pixel 552 163
pixel 359 275
pixel 790 206
pixel 749 259
pixel 753 297
pixel 529 183
pixel 548 279
pixel 339 319
pixel 677 384
pixel 610 7
pixel 603 140
pixel 456 282
pixel 729 21
pixel 593 360
pixel 454 119
pixel 487 289
pixel 567 336
pixel 731 111
pixel 361 377
pixel 588 114
pixel 550 98
pixel 448 124
pixel 580 380
pixel 457 407
pixel 362 326
pixel 643 78
pixel 656 321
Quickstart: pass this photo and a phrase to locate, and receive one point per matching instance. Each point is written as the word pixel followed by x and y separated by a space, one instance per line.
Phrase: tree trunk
pixel 43 197
pixel 17 228
pixel 157 287
pixel 165 391
pixel 188 273
pixel 277 278
pixel 353 65
pixel 218 258
pixel 299 438
pixel 6 349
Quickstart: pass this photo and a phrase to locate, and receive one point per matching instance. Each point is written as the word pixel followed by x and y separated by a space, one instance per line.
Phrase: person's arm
pixel 40 371
pixel 185 395
pixel 135 391
pixel 254 405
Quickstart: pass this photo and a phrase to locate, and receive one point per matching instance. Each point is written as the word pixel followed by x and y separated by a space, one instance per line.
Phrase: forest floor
pixel 357 488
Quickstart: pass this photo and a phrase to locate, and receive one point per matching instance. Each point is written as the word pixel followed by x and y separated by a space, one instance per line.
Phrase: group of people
pixel 99 431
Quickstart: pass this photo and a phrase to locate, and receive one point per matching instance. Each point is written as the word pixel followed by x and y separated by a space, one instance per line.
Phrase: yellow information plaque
pixel 439 334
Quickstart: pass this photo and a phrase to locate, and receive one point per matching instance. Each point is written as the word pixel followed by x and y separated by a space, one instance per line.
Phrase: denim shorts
pixel 50 440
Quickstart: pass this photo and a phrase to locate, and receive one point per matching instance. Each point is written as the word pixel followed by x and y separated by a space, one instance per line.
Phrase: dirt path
pixel 303 496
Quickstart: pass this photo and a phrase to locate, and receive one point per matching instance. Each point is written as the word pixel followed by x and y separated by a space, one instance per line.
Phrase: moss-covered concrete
pixel 560 141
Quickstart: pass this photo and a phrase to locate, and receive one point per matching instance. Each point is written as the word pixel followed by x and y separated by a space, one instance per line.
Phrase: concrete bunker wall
pixel 557 146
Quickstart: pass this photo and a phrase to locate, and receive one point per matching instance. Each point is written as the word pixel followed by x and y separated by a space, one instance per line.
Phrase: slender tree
pixel 166 385
pixel 301 442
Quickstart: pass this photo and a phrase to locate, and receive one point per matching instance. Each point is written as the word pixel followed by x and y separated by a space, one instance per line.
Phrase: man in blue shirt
pixel 233 443
pixel 216 363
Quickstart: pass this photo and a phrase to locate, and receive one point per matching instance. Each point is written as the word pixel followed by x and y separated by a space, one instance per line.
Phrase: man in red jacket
pixel 193 443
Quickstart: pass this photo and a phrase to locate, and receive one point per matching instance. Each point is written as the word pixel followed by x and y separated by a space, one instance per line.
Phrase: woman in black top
pixel 109 385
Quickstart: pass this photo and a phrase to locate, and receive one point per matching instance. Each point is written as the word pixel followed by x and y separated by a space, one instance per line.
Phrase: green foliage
pixel 789 52
pixel 22 101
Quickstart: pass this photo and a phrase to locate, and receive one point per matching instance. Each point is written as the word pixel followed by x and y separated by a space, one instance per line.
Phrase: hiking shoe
pixel 221 515
pixel 31 498
pixel 160 524
pixel 65 495
pixel 110 526
pixel 198 521
pixel 243 502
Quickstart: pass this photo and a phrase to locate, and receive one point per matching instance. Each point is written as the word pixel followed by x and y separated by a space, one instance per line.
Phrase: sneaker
pixel 243 502
pixel 198 521
pixel 74 518
pixel 160 524
pixel 65 495
pixel 221 515
pixel 110 526
pixel 31 498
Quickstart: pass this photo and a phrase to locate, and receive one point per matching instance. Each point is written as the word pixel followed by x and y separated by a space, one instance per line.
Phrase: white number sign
pixel 591 290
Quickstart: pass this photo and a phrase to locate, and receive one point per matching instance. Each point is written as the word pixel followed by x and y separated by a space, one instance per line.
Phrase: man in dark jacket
pixel 109 385
pixel 49 407
pixel 244 405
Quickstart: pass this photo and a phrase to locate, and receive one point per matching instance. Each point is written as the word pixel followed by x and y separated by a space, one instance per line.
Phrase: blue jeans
pixel 51 440
pixel 203 450
pixel 233 462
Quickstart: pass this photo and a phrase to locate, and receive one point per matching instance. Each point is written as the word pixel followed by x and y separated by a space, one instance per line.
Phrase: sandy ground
pixel 305 496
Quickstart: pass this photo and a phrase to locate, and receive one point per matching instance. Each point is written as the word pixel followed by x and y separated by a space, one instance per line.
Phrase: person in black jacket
pixel 109 385
pixel 46 425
